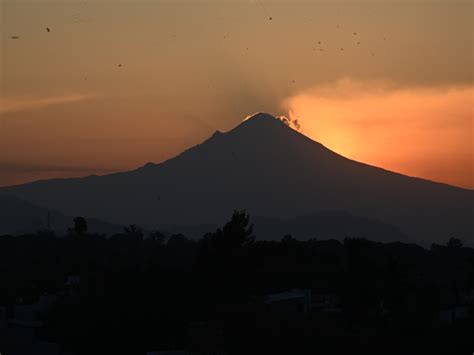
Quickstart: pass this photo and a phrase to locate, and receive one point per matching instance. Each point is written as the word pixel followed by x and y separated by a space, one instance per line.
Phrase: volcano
pixel 272 171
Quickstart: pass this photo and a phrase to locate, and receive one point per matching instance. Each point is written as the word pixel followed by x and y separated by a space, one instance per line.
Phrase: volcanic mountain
pixel 269 169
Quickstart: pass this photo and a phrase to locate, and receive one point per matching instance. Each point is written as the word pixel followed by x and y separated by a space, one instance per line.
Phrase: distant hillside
pixel 20 217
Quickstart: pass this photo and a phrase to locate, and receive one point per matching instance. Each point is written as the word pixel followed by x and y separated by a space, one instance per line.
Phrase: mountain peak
pixel 260 121
pixel 260 117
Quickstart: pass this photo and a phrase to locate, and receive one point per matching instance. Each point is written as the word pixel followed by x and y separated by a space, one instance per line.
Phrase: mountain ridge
pixel 267 118
pixel 268 168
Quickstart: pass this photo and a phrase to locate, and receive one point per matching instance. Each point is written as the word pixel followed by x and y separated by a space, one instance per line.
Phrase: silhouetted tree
pixel 288 239
pixel 238 232
pixel 454 243
pixel 80 226
pixel 157 237
pixel 134 232
pixel 219 249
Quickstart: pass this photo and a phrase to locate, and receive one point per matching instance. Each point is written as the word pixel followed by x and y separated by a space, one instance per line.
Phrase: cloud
pixel 420 131
pixel 290 122
pixel 14 105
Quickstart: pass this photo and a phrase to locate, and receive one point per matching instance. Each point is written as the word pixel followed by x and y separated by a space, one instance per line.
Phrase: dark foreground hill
pixel 269 169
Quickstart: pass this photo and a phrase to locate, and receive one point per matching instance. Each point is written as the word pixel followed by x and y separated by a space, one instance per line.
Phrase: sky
pixel 115 84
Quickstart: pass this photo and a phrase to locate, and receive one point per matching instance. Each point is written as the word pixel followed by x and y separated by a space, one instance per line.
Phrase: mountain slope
pixel 269 169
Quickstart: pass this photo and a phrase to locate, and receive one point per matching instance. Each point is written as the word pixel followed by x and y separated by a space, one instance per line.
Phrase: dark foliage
pixel 131 292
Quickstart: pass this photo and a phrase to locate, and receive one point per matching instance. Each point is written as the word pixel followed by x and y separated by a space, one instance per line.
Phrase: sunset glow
pixel 236 177
pixel 117 84
pixel 424 132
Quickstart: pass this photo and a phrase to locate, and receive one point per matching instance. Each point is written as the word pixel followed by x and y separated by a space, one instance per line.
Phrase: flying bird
pixel 47 29
pixel 15 37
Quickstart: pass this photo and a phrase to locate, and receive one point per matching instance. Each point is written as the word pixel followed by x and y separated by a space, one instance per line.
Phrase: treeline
pixel 131 293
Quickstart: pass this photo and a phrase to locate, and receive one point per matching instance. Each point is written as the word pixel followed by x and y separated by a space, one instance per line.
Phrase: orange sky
pixel 387 82
pixel 425 132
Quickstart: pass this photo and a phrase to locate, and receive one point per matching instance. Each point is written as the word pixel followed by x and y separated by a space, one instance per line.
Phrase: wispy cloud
pixel 13 105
